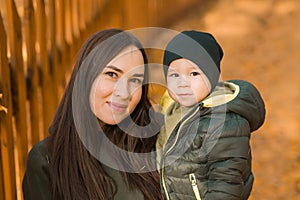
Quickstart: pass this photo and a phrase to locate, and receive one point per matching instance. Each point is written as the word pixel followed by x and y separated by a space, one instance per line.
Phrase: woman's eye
pixel 136 81
pixel 111 74
pixel 194 73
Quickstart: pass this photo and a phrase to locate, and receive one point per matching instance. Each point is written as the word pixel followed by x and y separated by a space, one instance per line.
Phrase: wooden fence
pixel 38 42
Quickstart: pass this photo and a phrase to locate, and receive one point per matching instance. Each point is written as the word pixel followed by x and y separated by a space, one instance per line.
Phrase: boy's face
pixel 186 83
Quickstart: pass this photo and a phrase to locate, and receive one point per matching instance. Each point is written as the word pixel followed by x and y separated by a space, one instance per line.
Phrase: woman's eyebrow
pixel 121 71
pixel 115 68
pixel 139 75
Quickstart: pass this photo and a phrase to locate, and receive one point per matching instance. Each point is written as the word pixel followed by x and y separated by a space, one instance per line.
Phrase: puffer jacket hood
pixel 248 102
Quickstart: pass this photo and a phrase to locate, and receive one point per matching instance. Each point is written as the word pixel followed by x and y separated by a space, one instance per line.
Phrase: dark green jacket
pixel 36 183
pixel 208 152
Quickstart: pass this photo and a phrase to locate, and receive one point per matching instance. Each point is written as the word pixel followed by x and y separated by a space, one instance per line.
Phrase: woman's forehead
pixel 128 60
pixel 128 51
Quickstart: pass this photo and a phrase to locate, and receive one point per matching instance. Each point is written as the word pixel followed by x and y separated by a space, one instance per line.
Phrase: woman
pixel 99 128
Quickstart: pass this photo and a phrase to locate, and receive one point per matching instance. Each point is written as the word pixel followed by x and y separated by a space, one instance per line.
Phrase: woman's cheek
pixel 105 86
pixel 100 90
pixel 135 98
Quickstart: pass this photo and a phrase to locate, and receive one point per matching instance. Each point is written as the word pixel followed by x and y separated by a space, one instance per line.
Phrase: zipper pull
pixel 193 181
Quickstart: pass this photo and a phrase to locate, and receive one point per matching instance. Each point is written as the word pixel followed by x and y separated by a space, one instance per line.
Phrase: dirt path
pixel 261 40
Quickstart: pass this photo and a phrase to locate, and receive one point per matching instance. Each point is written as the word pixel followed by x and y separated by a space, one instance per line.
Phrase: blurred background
pixel 39 40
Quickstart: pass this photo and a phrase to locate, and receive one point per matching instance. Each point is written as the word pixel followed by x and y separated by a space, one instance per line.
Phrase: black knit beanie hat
pixel 199 47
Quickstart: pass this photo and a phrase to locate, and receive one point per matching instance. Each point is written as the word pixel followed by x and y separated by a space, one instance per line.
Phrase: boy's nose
pixel 183 81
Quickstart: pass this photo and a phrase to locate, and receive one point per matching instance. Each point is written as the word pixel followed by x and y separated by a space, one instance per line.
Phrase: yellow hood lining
pixel 224 93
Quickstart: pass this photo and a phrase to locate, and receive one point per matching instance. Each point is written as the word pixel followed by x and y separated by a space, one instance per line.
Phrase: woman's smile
pixel 118 107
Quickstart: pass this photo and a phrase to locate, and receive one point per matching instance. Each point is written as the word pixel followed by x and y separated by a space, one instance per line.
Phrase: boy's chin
pixel 187 104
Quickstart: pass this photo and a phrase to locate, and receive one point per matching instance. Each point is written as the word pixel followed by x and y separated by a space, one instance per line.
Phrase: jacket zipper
pixel 163 160
pixel 193 181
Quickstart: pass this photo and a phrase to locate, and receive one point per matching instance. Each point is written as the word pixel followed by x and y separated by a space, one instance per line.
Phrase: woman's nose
pixel 121 89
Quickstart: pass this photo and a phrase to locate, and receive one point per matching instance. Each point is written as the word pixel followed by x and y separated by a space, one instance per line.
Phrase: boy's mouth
pixel 184 94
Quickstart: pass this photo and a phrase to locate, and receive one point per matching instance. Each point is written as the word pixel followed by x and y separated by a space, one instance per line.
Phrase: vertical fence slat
pixel 2 189
pixel 6 129
pixel 82 19
pixel 75 28
pixel 59 24
pixel 75 20
pixel 18 83
pixel 62 55
pixel 33 79
pixel 48 92
pixel 68 32
pixel 78 36
pixel 55 74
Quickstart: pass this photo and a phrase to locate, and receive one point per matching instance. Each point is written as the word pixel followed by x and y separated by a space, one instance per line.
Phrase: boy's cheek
pixel 172 94
pixel 171 84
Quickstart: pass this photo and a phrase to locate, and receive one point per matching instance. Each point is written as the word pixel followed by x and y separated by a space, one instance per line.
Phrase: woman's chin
pixel 113 120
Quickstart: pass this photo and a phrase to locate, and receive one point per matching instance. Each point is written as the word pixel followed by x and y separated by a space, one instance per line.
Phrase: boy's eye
pixel 111 74
pixel 194 74
pixel 173 75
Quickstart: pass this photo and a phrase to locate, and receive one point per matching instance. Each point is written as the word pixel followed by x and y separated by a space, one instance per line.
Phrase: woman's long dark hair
pixel 75 173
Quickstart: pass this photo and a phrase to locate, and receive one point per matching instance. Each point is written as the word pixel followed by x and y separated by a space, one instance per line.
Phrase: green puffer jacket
pixel 207 155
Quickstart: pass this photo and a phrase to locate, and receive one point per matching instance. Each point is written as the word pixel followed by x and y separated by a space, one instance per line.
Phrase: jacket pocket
pixel 193 182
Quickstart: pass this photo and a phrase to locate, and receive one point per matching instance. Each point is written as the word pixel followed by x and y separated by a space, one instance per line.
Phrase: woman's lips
pixel 117 106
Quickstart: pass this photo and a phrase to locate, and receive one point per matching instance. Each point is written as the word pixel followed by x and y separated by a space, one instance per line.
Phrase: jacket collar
pixel 223 93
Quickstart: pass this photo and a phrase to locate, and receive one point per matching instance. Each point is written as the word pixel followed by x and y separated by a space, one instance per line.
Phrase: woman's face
pixel 118 88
